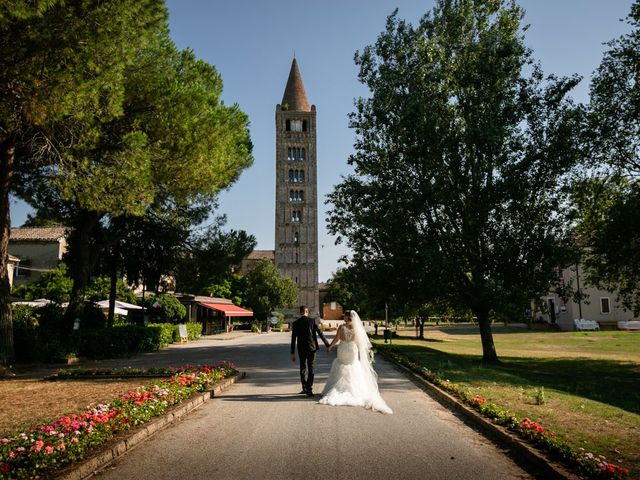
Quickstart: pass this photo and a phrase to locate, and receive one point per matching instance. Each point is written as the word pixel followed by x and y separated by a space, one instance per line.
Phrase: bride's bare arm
pixel 336 339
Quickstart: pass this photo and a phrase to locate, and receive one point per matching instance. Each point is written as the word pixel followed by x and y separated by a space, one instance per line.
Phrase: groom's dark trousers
pixel 304 331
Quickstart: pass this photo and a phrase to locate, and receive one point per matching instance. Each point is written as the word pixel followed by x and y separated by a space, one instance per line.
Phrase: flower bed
pixel 68 439
pixel 586 463
pixel 73 373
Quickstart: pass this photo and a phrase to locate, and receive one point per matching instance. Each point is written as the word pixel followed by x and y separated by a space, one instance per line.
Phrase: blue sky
pixel 252 43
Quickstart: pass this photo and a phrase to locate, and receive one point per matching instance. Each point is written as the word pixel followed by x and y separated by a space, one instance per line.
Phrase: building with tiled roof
pixel 39 249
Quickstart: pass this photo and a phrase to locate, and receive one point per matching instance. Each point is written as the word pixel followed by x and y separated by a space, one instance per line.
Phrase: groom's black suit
pixel 304 330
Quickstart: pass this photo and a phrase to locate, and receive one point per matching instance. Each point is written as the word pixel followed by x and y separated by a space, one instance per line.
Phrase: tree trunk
pixel 113 285
pixel 82 260
pixel 489 354
pixel 7 157
pixel 420 321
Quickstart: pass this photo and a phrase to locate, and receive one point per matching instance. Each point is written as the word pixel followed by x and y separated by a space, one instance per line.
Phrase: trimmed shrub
pixel 194 329
pixel 166 308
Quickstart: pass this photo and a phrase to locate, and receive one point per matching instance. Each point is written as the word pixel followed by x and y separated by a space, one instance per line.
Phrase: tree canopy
pixel 267 289
pixel 459 164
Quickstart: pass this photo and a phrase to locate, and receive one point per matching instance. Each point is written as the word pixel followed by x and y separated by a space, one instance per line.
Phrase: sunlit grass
pixel 591 380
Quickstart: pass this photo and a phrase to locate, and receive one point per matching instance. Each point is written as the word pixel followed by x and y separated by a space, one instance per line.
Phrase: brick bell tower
pixel 296 245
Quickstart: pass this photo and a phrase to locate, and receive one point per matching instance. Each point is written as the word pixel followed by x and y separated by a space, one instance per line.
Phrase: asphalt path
pixel 261 428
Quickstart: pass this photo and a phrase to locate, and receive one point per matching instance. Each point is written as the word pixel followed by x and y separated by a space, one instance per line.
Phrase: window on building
pixel 296 238
pixel 301 176
pixel 291 176
pixel 296 125
pixel 301 195
pixel 302 155
pixel 297 258
pixel 605 307
pixel 291 195
pixel 288 125
pixel 23 269
pixel 290 154
pixel 295 216
pixel 304 125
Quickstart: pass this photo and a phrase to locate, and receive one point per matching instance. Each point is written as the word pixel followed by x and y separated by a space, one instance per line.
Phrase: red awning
pixel 229 309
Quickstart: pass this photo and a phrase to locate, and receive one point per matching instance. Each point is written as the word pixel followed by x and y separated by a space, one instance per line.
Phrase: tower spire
pixel 295 96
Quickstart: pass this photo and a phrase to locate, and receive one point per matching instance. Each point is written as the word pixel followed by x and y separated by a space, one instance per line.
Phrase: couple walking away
pixel 352 380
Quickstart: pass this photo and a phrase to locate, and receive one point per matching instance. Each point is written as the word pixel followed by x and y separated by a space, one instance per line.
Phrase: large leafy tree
pixel 459 162
pixel 62 66
pixel 175 145
pixel 609 203
pixel 267 289
pixel 211 256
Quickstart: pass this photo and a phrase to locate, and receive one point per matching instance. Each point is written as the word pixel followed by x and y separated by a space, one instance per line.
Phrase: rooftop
pixel 295 97
pixel 50 234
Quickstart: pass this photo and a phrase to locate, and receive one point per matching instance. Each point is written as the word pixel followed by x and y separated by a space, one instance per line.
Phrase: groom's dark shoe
pixel 309 393
pixel 303 391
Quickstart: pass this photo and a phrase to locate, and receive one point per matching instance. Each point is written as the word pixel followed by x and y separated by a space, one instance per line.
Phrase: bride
pixel 352 380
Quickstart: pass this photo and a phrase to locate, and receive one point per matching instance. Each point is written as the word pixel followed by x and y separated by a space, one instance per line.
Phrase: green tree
pixel 100 287
pixel 233 288
pixel 268 290
pixel 166 307
pixel 176 144
pixel 61 71
pixel 211 256
pixel 459 163
pixel 615 102
pixel 608 204
pixel 53 285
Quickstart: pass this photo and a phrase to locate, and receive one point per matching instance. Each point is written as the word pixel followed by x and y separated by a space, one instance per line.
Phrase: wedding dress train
pixel 352 380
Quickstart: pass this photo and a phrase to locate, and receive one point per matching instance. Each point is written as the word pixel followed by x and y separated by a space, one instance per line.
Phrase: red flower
pixel 5 468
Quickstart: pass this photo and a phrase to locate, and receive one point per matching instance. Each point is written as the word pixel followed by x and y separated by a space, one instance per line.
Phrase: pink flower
pixel 4 440
pixel 61 447
pixel 12 454
pixel 38 445
pixel 48 449
pixel 74 440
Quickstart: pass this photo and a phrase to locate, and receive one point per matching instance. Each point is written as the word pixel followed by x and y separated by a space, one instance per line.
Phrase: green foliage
pixel 608 224
pixel 268 290
pixel 232 288
pixel 99 290
pixel 194 330
pixel 53 285
pixel 615 102
pixel 167 308
pixel 539 396
pixel 207 265
pixel 124 341
pixel 168 333
pixel 460 157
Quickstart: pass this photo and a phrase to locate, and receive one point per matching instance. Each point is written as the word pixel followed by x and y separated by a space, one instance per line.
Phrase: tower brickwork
pixel 296 242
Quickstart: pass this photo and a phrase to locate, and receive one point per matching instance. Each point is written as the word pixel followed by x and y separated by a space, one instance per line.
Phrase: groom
pixel 304 330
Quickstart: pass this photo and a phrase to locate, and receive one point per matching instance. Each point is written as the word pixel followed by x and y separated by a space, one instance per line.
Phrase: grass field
pixel 591 381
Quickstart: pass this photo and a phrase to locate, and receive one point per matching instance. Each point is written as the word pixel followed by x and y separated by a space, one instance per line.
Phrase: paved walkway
pixel 261 428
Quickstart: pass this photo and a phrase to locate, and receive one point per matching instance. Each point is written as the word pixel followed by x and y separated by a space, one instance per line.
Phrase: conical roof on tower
pixel 295 97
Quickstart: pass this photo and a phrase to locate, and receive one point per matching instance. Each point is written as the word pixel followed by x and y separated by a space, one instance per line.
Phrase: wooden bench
pixel 582 324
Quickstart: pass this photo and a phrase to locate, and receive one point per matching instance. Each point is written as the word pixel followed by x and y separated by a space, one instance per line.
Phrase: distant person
pixel 304 331
pixel 352 380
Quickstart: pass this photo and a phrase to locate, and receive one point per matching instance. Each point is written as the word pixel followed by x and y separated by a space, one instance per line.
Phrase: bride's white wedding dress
pixel 352 380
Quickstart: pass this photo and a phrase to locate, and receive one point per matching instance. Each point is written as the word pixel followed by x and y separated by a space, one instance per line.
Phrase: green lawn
pixel 591 380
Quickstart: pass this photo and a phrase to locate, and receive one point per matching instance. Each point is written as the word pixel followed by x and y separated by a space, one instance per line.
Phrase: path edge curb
pixel 543 466
pixel 89 467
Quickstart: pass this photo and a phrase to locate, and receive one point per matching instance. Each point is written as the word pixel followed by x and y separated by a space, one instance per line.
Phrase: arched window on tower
pixel 288 125
pixel 296 125
pixel 296 238
pixel 291 195
pixel 292 178
pixel 304 125
pixel 301 176
pixel 302 155
pixel 289 153
pixel 301 195
pixel 297 258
